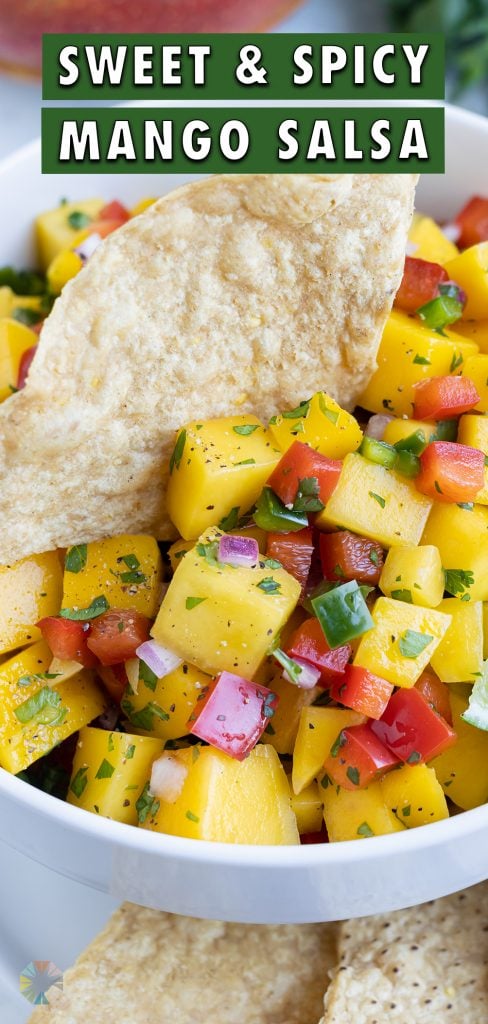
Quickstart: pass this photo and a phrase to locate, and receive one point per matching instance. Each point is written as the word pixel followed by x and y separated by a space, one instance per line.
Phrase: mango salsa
pixel 228 801
pixel 317 732
pixel 319 422
pixel 110 770
pixel 223 618
pixel 127 570
pixel 29 590
pixel 58 229
pixel 162 707
pixel 217 472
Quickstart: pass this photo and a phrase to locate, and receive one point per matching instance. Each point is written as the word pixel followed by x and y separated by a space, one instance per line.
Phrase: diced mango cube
pixel 178 550
pixel 319 422
pixel 476 368
pixel 308 808
pixel 376 503
pixel 217 472
pixel 430 241
pixel 473 430
pixel 29 590
pixel 414 574
pixel 356 814
pixel 402 642
pixel 62 268
pixel 110 770
pixel 399 429
pixel 461 534
pixel 317 732
pixel 459 656
pixel 462 769
pixel 474 330
pixel 413 794
pixel 469 270
pixel 58 229
pixel 35 713
pixel 220 617
pixel 409 352
pixel 282 730
pixel 229 801
pixel 162 707
pixel 127 570
pixel 15 339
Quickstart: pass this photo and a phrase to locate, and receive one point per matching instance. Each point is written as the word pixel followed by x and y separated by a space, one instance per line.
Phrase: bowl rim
pixel 156 844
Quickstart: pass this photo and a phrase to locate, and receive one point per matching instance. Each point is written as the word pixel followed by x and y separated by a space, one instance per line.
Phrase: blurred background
pixel 22 22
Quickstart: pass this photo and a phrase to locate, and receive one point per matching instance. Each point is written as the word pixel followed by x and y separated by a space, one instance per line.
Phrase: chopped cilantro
pixel 146 805
pixel 307 498
pixel 25 316
pixel 291 667
pixel 44 706
pixel 377 497
pixel 143 719
pixel 421 360
pixel 365 830
pixel 192 602
pixel 271 563
pixel 175 460
pixel 98 606
pixel 412 644
pixel 374 557
pixel 246 462
pixel 458 581
pixel 338 743
pixel 105 770
pixel 468 506
pixel 300 411
pixel 36 677
pixel 245 429
pixel 269 585
pixel 331 414
pixel 402 595
pixel 131 561
pixel 78 783
pixel 353 775
pixel 406 811
pixel 76 556
pixel 111 744
pixel 133 576
pixel 192 817
pixel 209 552
pixel 147 676
pixel 229 522
pixel 414 757
pixel 455 362
pixel 77 219
pixel 130 751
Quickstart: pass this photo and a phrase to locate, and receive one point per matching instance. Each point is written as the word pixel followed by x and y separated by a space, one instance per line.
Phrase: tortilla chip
pixel 254 290
pixel 418 966
pixel 148 967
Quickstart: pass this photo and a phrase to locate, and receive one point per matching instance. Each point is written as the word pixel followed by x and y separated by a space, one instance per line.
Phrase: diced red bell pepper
pixel 362 691
pixel 420 284
pixel 442 398
pixel 473 221
pixel 451 472
pixel 233 714
pixel 299 463
pixel 116 635
pixel 104 227
pixel 308 642
pixel 114 211
pixel 435 692
pixel 294 551
pixel 358 757
pixel 411 729
pixel 25 365
pixel 345 556
pixel 114 678
pixel 67 639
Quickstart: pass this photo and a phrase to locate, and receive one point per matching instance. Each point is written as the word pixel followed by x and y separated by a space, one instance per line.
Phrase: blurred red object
pixel 23 23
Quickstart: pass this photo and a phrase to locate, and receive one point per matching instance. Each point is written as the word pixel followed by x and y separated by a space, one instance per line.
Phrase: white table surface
pixel 44 916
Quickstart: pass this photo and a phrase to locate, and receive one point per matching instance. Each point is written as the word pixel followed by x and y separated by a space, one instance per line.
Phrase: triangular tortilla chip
pixel 236 291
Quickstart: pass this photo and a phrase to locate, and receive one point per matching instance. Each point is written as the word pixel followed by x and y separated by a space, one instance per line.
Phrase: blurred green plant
pixel 465 25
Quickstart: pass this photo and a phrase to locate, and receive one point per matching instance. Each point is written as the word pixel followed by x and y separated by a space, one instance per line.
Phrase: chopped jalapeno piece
pixel 378 451
pixel 407 463
pixel 440 312
pixel 414 443
pixel 273 516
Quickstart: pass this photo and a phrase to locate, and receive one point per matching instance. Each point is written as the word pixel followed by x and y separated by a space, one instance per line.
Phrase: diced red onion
pixel 410 248
pixel 168 776
pixel 309 676
pixel 159 659
pixel 238 550
pixel 87 247
pixel 376 426
pixel 451 231
pixel 461 294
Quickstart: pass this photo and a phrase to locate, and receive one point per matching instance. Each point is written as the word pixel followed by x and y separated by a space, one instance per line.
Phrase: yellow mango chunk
pixel 29 590
pixel 58 229
pixel 15 339
pixel 415 574
pixel 178 550
pixel 62 268
pixel 399 429
pixel 357 814
pixel 474 330
pixel 462 769
pixel 409 352
pixel 162 707
pixel 142 205
pixel 282 731
pixel 319 422
pixel 459 656
pixel 127 570
pixel 461 534
pixel 308 808
pixel 473 431
pixel 317 732
pixel 217 472
pixel 376 503
pixel 220 617
pixel 229 801
pixel 468 270
pixel 36 712
pixel 110 770
pixel 476 368
pixel 429 241
pixel 413 794
pixel 402 642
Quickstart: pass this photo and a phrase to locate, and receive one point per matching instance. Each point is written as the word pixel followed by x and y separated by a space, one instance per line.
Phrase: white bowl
pixel 241 883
